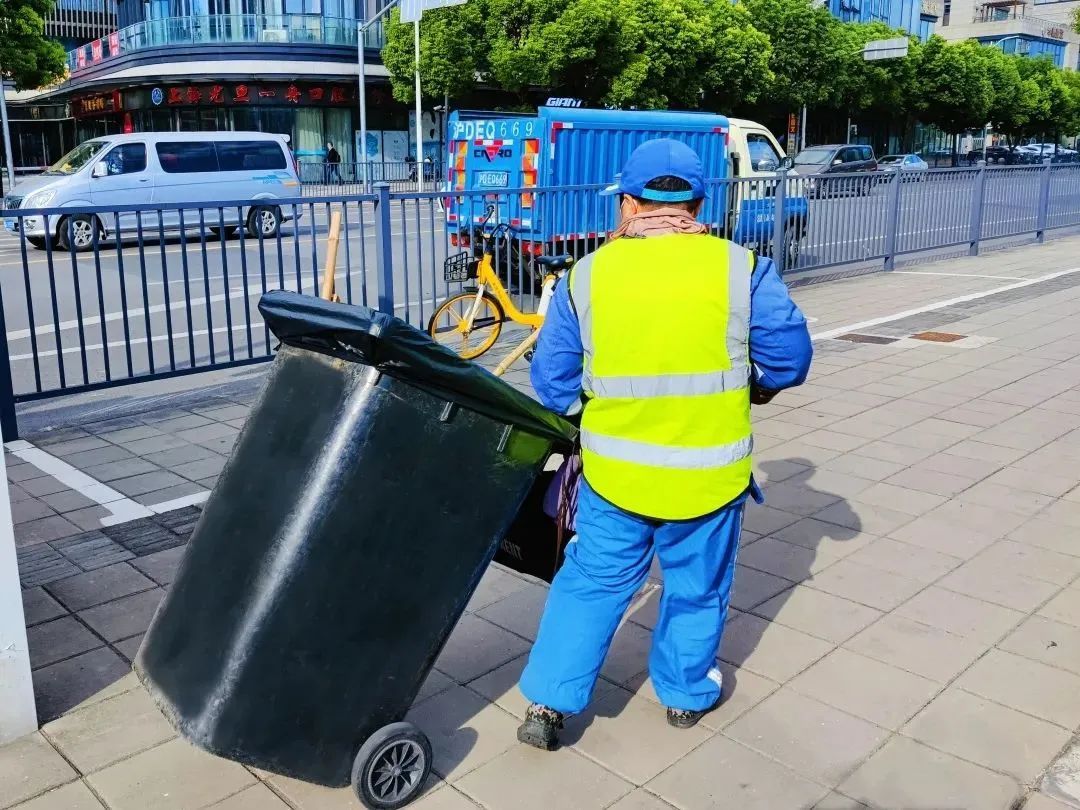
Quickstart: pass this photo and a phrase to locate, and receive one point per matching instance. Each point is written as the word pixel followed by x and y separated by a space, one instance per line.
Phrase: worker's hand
pixel 759 395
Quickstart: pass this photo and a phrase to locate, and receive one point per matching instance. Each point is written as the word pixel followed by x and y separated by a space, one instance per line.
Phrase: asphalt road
pixel 186 302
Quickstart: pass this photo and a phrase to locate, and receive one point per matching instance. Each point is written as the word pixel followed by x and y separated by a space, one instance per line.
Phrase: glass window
pixel 76 158
pixel 866 153
pixel 815 156
pixel 240 155
pixel 761 149
pixel 128 158
pixel 187 157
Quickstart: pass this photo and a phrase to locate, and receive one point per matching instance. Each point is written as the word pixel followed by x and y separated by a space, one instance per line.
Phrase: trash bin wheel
pixel 392 766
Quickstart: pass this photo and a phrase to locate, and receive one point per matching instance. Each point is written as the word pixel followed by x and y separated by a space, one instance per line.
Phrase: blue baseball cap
pixel 662 157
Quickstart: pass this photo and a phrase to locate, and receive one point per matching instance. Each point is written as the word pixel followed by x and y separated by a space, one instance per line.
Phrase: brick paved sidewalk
pixel 904 633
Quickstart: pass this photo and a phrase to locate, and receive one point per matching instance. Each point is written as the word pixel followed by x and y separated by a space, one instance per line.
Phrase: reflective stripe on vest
pixel 680 458
pixel 672 385
pixel 664 325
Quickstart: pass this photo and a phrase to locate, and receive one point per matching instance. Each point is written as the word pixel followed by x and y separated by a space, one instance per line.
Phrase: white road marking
pixel 257 329
pixel 854 327
pixel 956 275
pixel 47 329
pixel 121 508
pixel 179 503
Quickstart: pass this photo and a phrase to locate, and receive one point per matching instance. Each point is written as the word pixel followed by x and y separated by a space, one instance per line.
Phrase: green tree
pixel 449 57
pixel 25 54
pixel 1012 102
pixel 1055 111
pixel 955 92
pixel 803 60
pixel 887 87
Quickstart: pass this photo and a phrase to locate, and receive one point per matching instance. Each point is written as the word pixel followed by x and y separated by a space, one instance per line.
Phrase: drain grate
pixel 939 337
pixel 854 337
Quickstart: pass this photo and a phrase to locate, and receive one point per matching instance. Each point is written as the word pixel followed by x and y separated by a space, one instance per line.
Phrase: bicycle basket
pixel 460 267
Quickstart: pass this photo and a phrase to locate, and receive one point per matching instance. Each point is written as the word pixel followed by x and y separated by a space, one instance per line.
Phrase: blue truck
pixel 541 173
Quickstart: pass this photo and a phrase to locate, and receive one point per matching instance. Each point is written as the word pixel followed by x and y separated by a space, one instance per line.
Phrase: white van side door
pixel 121 177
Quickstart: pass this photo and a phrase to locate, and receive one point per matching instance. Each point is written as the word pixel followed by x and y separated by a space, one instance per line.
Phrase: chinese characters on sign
pixel 95 50
pixel 92 105
pixel 245 94
pixel 114 43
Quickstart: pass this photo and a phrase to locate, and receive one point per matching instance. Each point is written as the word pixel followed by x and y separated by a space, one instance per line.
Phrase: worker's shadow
pixel 764 582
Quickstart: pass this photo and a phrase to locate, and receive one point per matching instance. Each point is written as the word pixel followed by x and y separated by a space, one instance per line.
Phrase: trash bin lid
pixel 362 335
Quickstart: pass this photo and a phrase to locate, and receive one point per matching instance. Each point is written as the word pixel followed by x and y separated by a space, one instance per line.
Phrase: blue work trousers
pixel 605 566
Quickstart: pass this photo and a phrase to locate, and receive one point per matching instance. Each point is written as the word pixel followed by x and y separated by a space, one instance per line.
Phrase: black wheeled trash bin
pixel 362 503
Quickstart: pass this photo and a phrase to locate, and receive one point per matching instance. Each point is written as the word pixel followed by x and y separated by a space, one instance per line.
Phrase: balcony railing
pixel 1020 23
pixel 222 29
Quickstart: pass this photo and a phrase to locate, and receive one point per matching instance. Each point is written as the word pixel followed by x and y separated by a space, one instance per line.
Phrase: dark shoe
pixel 541 727
pixel 688 718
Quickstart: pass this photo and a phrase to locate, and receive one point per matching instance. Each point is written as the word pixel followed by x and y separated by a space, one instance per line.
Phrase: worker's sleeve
pixel 557 361
pixel 780 348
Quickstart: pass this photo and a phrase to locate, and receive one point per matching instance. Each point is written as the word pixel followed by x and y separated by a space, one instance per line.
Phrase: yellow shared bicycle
pixel 471 321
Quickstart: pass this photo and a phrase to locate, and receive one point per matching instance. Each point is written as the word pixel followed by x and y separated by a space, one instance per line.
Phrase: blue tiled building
pixel 917 17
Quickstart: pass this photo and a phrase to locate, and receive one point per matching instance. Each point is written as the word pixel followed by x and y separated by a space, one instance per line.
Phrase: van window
pixel 866 153
pixel 187 156
pixel 760 149
pixel 850 155
pixel 127 158
pixel 240 155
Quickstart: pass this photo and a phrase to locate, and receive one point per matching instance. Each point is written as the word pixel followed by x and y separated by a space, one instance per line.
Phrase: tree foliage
pixel 25 54
pixel 766 57
pixel 955 92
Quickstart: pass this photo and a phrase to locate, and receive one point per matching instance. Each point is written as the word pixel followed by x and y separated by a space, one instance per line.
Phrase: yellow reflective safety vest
pixel 665 326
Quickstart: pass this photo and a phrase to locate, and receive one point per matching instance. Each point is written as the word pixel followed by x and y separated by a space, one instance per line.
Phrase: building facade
pixel 282 66
pixel 917 17
pixel 1018 26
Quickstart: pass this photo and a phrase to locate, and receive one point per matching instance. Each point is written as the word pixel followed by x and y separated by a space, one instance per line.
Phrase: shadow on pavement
pixel 788 568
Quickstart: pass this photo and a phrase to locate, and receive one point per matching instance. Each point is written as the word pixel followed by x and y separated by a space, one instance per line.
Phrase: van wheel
pixel 38 242
pixel 78 232
pixel 264 221
pixel 224 233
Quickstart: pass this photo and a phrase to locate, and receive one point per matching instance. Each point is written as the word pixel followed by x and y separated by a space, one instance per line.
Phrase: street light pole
pixel 419 124
pixel 7 134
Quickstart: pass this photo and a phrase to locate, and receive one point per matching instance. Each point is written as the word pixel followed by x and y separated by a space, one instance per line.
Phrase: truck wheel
pixel 392 766
pixel 792 247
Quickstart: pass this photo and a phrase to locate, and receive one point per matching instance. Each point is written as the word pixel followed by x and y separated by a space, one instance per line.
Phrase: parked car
pixel 817 162
pixel 176 169
pixel 998 154
pixel 911 167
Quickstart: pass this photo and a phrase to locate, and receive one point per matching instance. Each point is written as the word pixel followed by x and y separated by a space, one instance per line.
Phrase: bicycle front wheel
pixel 449 327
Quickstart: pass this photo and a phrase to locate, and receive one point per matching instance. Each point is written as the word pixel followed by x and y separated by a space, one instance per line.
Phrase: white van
pixel 168 169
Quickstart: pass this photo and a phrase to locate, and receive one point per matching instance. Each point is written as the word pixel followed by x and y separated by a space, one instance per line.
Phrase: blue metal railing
pixel 110 295
pixel 221 29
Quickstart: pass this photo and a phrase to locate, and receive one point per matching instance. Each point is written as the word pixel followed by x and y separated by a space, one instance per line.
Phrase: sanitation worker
pixel 663 333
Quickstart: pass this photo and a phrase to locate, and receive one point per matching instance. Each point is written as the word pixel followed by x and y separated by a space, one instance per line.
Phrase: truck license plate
pixel 493 179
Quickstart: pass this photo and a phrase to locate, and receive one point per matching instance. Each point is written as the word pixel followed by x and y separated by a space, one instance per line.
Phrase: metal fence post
pixel 779 251
pixel 384 248
pixel 977 196
pixel 892 221
pixel 1044 206
pixel 8 422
